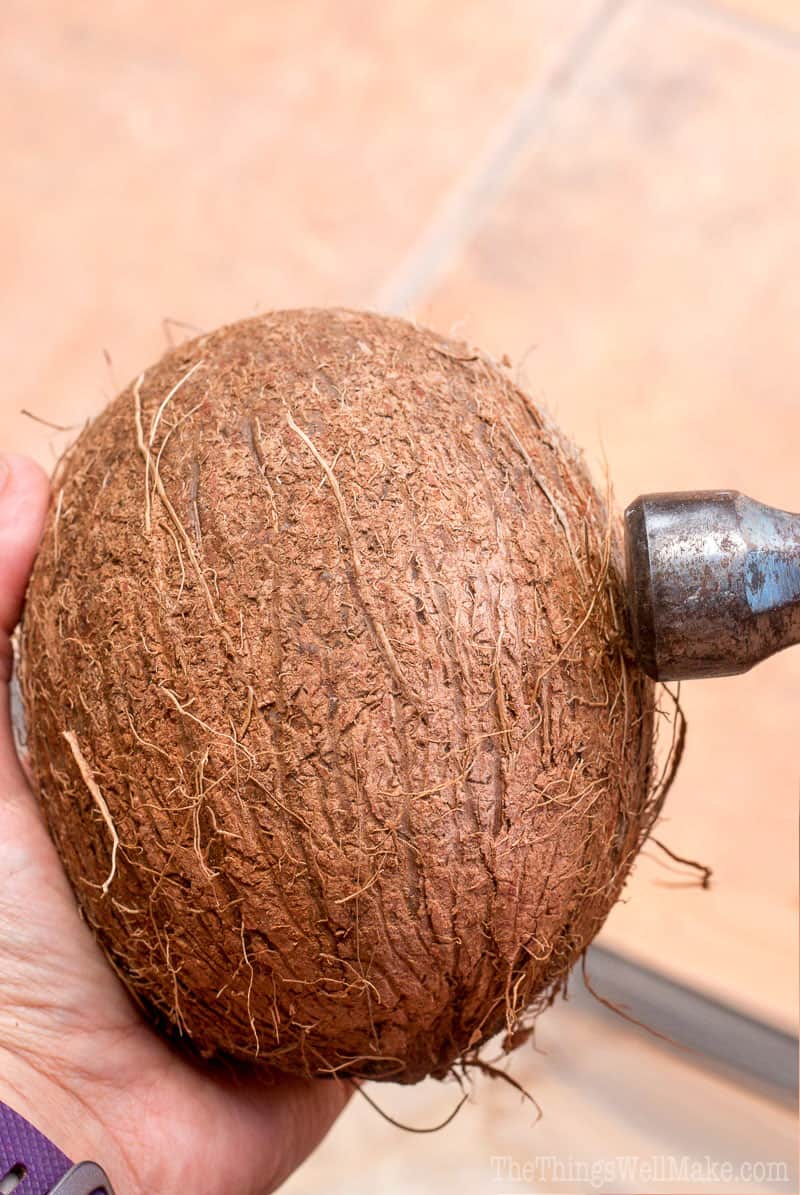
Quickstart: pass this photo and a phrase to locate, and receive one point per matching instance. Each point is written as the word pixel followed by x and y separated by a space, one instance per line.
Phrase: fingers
pixel 263 1125
pixel 280 1125
pixel 24 493
pixel 302 1112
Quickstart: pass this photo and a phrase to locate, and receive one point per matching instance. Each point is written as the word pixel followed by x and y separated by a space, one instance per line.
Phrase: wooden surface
pixel 605 190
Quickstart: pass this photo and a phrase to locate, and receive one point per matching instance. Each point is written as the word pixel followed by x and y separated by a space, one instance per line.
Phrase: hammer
pixel 713 581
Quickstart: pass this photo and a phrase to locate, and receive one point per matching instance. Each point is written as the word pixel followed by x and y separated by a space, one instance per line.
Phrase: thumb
pixel 24 492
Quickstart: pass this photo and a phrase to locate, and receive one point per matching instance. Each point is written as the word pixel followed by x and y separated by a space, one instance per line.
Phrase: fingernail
pixel 5 472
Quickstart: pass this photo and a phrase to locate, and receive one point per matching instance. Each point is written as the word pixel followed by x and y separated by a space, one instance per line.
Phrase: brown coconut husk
pixel 329 696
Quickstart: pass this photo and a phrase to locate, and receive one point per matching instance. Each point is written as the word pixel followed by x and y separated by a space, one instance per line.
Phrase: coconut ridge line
pixel 319 866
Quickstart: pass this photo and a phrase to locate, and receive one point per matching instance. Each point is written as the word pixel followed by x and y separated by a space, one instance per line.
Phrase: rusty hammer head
pixel 713 582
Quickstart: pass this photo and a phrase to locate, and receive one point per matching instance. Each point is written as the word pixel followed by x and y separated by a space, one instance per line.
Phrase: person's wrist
pixel 64 1115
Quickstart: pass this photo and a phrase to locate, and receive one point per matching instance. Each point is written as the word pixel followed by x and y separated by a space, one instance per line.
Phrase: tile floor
pixel 606 190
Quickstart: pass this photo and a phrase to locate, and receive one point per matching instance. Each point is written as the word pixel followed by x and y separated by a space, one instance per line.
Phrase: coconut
pixel 329 698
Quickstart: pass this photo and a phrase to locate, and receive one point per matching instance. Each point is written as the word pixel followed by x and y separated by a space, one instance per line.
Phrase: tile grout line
pixel 761 30
pixel 461 211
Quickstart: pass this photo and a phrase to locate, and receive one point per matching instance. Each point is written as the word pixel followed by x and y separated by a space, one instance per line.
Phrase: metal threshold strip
pixel 706 1031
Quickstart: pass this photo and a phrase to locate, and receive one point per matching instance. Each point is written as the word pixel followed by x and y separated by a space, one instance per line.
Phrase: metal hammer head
pixel 713 582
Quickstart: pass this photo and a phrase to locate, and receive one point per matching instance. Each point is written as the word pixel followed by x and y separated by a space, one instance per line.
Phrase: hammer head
pixel 713 582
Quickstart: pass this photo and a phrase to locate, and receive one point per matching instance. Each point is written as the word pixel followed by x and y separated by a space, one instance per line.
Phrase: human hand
pixel 76 1057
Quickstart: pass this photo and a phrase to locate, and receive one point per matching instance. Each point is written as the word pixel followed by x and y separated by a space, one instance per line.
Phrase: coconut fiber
pixel 329 698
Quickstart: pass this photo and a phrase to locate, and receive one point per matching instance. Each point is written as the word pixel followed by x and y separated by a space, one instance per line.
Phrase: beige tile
pixel 644 266
pixel 161 162
pixel 613 1101
pixel 779 14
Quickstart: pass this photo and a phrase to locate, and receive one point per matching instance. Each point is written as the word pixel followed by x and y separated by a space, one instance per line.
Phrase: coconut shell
pixel 329 699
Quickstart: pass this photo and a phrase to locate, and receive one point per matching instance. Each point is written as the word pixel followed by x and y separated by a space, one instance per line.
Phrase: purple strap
pixel 23 1145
